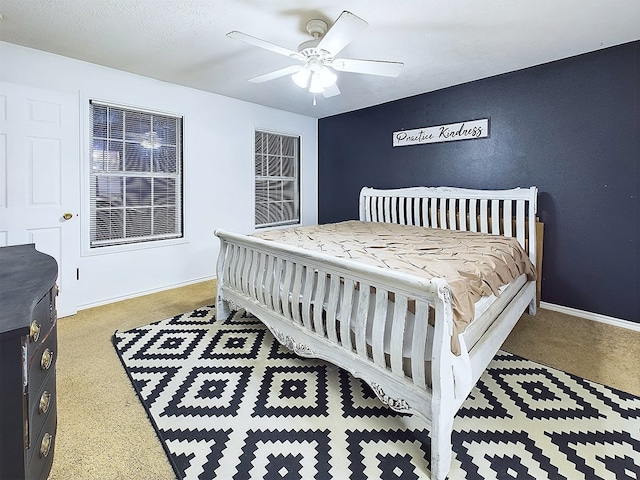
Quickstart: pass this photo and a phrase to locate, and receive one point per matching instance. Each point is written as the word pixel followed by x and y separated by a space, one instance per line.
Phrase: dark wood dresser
pixel 28 349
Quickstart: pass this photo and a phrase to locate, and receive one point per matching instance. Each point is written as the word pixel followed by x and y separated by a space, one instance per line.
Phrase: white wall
pixel 218 168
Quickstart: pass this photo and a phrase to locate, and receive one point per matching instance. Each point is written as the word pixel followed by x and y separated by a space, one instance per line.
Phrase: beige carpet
pixel 103 430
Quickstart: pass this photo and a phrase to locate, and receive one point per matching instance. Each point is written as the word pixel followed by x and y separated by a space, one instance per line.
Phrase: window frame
pixel 177 191
pixel 296 179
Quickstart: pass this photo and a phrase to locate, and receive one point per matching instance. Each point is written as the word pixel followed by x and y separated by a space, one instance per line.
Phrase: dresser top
pixel 26 275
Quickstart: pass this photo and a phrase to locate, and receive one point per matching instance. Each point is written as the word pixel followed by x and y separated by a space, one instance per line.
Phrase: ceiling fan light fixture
pixel 316 84
pixel 301 77
pixel 326 76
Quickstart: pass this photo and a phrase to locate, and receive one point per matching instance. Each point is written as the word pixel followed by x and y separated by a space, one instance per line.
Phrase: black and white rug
pixel 229 402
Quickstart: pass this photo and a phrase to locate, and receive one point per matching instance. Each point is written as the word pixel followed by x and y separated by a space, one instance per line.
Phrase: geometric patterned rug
pixel 229 402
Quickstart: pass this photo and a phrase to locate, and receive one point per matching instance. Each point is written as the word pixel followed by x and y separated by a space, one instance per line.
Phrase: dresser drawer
pixel 40 455
pixel 42 362
pixel 42 322
pixel 42 404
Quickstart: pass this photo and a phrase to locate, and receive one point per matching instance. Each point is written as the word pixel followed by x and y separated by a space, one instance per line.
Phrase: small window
pixel 135 176
pixel 277 171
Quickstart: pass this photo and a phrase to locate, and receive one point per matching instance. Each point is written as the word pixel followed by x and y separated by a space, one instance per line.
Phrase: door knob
pixel 67 216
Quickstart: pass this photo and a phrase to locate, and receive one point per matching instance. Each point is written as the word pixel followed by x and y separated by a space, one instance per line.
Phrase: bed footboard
pixel 320 306
pixel 331 303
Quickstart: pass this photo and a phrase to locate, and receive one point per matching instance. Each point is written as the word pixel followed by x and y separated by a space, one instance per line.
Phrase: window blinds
pixel 135 176
pixel 277 196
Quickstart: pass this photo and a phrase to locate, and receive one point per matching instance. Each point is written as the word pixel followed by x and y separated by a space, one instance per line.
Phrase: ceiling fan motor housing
pixel 309 48
pixel 317 29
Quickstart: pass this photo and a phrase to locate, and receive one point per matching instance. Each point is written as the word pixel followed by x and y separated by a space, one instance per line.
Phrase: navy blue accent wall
pixel 570 127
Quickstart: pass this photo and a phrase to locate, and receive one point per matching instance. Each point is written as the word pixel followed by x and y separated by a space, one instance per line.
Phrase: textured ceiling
pixel 441 43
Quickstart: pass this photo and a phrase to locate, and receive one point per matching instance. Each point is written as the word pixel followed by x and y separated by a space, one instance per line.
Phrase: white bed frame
pixel 320 306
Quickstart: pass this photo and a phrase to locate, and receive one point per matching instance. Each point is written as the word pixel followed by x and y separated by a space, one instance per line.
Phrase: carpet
pixel 229 402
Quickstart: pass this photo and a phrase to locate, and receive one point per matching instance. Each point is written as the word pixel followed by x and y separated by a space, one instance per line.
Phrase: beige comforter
pixel 473 264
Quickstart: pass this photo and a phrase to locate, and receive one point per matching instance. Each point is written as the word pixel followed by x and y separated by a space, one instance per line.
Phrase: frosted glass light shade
pixel 316 84
pixel 301 77
pixel 327 77
pixel 317 77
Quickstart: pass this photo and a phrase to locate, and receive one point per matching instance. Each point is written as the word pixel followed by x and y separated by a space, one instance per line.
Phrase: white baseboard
pixel 617 322
pixel 147 292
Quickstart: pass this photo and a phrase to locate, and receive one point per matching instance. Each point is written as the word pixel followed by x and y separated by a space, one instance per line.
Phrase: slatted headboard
pixel 511 213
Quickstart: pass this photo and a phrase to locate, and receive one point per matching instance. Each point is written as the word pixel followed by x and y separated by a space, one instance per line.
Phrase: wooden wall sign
pixel 469 130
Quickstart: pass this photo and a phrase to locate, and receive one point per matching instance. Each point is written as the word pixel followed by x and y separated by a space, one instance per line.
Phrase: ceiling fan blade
pixel 277 74
pixel 243 37
pixel 344 30
pixel 371 67
pixel 331 91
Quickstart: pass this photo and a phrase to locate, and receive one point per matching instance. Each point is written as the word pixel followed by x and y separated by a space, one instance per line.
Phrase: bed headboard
pixel 511 213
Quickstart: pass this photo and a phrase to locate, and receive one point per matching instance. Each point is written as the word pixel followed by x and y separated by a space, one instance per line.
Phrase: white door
pixel 40 179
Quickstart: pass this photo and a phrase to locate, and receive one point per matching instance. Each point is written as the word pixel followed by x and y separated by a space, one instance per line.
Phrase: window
pixel 135 176
pixel 277 191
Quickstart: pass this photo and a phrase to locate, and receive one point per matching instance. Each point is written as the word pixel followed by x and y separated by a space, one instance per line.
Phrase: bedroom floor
pixel 103 430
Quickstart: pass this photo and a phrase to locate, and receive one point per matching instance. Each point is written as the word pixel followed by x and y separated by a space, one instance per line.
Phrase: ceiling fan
pixel 318 56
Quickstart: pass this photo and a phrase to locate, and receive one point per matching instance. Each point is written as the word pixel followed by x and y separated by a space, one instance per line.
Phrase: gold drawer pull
pixel 34 331
pixel 46 360
pixel 45 401
pixel 45 446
